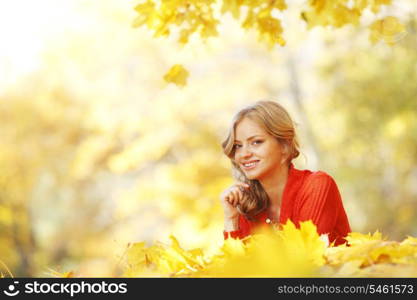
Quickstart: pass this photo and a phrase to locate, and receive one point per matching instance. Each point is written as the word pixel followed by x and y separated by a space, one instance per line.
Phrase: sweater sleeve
pixel 320 202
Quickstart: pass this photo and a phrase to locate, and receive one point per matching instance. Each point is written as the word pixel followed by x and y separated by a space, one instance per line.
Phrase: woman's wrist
pixel 231 224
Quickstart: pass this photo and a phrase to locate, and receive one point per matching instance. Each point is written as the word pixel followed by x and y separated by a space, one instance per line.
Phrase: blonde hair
pixel 278 123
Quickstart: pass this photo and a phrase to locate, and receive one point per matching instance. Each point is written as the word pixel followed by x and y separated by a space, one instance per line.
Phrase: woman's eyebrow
pixel 249 138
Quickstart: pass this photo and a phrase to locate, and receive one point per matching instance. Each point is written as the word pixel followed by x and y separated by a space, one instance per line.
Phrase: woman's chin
pixel 251 176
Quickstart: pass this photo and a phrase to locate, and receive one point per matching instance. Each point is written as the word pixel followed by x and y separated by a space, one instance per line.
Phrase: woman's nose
pixel 245 152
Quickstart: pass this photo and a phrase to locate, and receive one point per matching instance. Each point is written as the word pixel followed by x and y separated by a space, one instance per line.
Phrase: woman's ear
pixel 285 151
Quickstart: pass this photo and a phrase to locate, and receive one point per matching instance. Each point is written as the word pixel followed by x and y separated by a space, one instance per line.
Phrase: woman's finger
pixel 242 184
pixel 228 199
pixel 240 195
pixel 235 197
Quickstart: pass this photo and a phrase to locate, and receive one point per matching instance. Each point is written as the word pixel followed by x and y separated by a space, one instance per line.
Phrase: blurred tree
pixel 371 137
pixel 40 136
pixel 30 137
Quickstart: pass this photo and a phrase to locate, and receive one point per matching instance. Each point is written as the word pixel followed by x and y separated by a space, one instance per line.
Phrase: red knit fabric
pixel 307 196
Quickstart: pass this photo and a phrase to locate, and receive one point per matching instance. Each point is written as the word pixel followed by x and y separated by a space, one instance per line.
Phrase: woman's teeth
pixel 250 164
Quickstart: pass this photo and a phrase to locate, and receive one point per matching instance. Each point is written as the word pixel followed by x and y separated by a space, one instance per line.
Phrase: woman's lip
pixel 252 166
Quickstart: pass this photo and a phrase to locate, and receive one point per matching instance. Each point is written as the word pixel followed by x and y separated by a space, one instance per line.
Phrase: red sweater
pixel 307 196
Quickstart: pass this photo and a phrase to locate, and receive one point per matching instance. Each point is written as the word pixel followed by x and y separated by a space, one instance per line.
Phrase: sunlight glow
pixel 25 28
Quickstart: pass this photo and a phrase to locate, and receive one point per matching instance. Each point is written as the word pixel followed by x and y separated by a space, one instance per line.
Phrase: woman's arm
pixel 230 198
pixel 243 229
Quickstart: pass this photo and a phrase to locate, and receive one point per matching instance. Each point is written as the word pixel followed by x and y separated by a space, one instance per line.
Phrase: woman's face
pixel 257 152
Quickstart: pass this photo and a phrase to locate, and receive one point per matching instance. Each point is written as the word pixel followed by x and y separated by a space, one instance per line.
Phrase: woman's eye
pixel 254 142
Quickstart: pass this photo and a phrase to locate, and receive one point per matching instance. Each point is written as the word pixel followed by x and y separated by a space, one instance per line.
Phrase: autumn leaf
pixel 270 30
pixel 232 6
pixel 54 273
pixel 304 242
pixel 388 29
pixel 203 17
pixel 146 14
pixel 356 238
pixel 161 260
pixel 288 252
pixel 177 75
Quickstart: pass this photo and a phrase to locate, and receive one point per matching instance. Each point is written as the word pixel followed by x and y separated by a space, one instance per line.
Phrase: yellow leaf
pixel 288 252
pixel 304 242
pixel 355 238
pixel 388 270
pixel 53 273
pixel 232 6
pixel 410 241
pixel 270 30
pixel 280 4
pixel 209 29
pixel 348 269
pixel 146 14
pixel 233 247
pixel 184 35
pixel 375 4
pixel 177 75
pixel 388 29
pixel 249 20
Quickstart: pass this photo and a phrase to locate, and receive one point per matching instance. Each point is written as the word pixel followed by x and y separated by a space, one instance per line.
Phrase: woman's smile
pixel 250 165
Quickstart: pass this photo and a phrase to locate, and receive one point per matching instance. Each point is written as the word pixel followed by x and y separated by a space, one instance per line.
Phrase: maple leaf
pixel 289 252
pixel 177 75
pixel 355 238
pixel 232 6
pixel 146 14
pixel 304 241
pixel 53 273
pixel 388 29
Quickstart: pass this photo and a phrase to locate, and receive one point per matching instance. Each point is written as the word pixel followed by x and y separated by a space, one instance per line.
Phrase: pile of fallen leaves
pixel 289 252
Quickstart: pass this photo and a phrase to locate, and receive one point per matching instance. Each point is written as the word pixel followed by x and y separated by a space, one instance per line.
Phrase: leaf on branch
pixel 270 30
pixel 146 14
pixel 388 29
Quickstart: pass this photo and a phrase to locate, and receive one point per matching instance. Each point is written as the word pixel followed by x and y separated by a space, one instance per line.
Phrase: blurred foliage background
pixel 97 151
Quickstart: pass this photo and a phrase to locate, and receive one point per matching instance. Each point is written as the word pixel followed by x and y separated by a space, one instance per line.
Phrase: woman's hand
pixel 231 197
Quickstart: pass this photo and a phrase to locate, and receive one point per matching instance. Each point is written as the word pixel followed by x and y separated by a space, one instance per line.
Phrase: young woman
pixel 261 145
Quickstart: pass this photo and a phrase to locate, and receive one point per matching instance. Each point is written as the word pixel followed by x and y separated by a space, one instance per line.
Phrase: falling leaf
pixel 177 75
